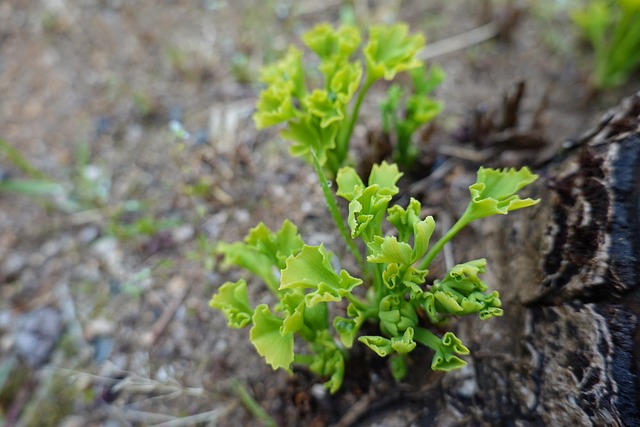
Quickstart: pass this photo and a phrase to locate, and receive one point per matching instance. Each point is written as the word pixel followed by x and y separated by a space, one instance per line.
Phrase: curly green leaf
pixel 266 336
pixel 311 269
pixel 232 300
pixel 495 192
pixel 391 50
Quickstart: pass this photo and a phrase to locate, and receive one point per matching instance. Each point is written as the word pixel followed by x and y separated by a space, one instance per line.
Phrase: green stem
pixel 252 406
pixel 435 249
pixel 307 333
pixel 345 134
pixel 333 209
pixel 426 337
pixel 378 282
pixel 358 302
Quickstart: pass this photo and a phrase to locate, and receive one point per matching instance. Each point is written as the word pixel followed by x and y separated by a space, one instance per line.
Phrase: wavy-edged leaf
pixel 328 361
pixel 311 269
pixel 426 80
pixel 445 358
pixel 391 50
pixel 462 292
pixel 292 303
pixel 385 176
pixel 403 219
pixel 384 347
pixel 275 347
pixel 396 315
pixel 286 71
pixel 245 256
pixel 305 133
pixel 380 345
pixel 366 211
pixel 278 245
pixel 495 192
pixel 329 43
pixel 345 82
pixel 408 276
pixel 404 344
pixel 421 110
pixel 232 300
pixel 388 250
pixel 348 328
pixel 334 368
pixel 274 106
pixel 323 107
pixel 422 232
pixel 349 183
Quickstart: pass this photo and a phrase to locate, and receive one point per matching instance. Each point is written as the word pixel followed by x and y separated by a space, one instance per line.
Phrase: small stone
pixel 5 319
pixel 108 251
pixel 183 234
pixel 213 226
pixel 99 327
pixel 13 265
pixel 36 334
pixel 50 248
pixel 88 234
pixel 103 346
pixel 177 285
pixel 74 421
pixel 242 216
pixel 319 391
pixel 220 347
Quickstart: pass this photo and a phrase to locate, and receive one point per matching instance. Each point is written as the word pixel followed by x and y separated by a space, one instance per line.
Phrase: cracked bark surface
pixel 567 351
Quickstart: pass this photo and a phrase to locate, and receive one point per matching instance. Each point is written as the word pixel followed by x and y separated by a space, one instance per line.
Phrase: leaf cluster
pixel 322 119
pixel 395 292
pixel 419 109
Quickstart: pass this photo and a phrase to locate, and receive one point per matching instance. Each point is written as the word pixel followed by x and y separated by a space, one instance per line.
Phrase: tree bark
pixel 567 351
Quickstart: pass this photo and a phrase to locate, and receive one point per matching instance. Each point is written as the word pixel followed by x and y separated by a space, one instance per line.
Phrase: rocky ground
pixel 105 278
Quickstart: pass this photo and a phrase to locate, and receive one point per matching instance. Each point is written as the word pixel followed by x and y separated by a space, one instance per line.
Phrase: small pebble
pixel 99 327
pixel 103 347
pixel 102 126
pixel 74 421
pixel 319 391
pixel 108 251
pixel 36 335
pixel 88 234
pixel 183 234
pixel 13 265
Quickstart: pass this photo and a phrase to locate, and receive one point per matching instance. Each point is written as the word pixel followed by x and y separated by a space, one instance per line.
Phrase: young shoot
pixel 321 120
pixel 398 297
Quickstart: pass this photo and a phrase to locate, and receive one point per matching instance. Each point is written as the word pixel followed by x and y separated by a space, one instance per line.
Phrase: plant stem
pixel 426 337
pixel 358 302
pixel 252 406
pixel 435 249
pixel 345 135
pixel 333 209
pixel 378 282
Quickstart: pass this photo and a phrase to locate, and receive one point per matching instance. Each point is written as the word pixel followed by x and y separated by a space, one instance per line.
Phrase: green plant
pixel 419 109
pixel 131 221
pixel 322 120
pixel 38 183
pixel 393 291
pixel 613 29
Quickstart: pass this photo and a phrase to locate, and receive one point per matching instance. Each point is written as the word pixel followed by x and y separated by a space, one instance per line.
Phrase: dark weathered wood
pixel 567 351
